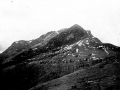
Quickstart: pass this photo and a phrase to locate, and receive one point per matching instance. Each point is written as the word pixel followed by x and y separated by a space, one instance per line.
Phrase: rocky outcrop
pixel 70 59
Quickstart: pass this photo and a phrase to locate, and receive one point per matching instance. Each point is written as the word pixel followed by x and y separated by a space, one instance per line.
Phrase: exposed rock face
pixel 70 59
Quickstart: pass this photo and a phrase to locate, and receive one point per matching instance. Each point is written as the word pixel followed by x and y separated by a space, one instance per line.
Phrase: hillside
pixel 70 59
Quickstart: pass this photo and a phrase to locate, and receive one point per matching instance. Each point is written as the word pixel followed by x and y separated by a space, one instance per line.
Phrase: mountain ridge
pixel 60 54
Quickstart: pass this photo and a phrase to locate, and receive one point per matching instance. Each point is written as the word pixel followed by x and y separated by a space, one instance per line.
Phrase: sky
pixel 29 19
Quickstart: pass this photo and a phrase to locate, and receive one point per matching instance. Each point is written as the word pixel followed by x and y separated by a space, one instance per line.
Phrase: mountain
pixel 23 45
pixel 68 59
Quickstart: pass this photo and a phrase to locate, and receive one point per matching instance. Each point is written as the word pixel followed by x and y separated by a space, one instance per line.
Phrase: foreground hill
pixel 70 59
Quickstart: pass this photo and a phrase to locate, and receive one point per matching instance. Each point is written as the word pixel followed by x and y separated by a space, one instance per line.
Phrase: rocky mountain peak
pixel 77 26
pixel 70 59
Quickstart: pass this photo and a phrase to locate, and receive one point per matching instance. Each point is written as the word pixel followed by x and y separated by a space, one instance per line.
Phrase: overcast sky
pixel 29 19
